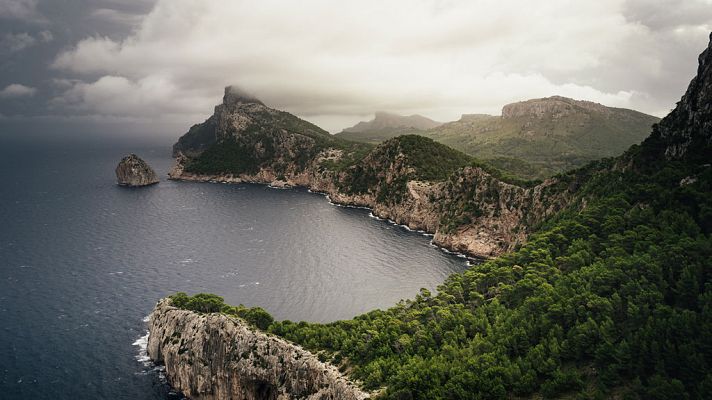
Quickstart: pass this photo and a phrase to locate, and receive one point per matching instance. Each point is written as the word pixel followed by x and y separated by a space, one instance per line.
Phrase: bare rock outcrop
pixel 133 171
pixel 217 357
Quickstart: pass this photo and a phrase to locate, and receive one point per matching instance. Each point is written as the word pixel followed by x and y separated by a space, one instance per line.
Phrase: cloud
pixel 335 62
pixel 25 10
pixel 14 42
pixel 16 90
pixel 116 16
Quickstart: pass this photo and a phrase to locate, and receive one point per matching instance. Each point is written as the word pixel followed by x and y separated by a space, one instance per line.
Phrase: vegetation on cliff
pixel 210 303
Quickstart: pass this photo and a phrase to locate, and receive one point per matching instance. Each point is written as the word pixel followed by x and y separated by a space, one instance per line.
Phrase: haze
pixel 156 67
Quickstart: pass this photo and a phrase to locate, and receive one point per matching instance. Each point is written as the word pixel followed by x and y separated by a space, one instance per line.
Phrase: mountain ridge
pixel 547 135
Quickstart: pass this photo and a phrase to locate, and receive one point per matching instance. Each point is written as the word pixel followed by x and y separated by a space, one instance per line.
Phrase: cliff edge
pixel 215 357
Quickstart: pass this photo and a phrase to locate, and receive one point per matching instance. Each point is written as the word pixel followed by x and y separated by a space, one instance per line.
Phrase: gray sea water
pixel 83 261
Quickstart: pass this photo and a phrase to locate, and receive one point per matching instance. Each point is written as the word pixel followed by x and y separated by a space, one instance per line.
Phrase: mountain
pixel 601 286
pixel 552 134
pixel 537 138
pixel 385 126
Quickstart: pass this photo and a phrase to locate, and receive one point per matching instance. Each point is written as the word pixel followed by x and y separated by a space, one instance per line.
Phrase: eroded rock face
pixel 133 171
pixel 216 357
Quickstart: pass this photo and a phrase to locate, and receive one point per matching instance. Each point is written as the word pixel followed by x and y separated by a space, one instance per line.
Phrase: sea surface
pixel 83 261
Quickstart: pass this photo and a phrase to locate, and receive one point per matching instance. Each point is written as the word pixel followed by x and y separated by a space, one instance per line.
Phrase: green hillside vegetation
pixel 536 146
pixel 375 136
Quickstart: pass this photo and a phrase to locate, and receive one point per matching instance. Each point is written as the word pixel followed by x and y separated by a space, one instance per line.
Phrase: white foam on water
pixel 142 344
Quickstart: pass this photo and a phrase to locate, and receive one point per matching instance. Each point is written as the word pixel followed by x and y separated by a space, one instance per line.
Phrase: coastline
pixel 469 257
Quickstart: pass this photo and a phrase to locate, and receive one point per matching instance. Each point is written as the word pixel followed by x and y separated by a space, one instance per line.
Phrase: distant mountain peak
pixel 547 106
pixel 235 95
pixel 388 120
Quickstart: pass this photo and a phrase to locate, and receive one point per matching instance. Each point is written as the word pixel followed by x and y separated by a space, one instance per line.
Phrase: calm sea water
pixel 83 261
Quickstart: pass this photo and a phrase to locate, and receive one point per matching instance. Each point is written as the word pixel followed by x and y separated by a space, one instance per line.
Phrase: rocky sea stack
pixel 133 171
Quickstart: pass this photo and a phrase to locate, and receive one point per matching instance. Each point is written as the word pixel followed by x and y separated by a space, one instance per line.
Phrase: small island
pixel 133 171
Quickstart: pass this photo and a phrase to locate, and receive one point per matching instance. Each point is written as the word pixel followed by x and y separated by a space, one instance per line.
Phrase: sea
pixel 83 261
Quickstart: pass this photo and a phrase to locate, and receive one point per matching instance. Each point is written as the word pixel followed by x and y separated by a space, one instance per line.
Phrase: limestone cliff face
pixel 216 357
pixel 133 171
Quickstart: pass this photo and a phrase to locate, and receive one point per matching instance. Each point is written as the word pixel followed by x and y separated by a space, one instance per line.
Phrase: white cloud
pixel 334 62
pixel 16 90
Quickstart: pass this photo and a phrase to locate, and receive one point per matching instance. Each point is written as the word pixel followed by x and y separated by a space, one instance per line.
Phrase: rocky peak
pixel 133 171
pixel 234 95
pixel 687 131
pixel 555 106
pixel 386 120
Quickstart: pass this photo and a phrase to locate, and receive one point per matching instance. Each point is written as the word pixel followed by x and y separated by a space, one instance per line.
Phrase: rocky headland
pixel 217 357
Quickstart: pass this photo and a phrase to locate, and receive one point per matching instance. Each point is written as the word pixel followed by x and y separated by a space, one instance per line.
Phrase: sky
pixel 155 67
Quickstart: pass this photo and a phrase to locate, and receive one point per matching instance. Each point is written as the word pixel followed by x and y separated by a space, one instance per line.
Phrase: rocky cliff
pixel 687 131
pixel 133 171
pixel 215 357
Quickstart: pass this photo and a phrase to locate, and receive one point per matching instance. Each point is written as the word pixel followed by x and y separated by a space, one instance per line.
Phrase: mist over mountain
pixel 387 124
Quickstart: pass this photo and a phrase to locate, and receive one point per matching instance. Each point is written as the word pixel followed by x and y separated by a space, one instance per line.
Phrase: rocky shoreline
pixel 218 357
pixel 422 222
pixel 421 209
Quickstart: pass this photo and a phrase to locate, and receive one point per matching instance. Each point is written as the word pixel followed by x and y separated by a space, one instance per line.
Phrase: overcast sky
pixel 164 63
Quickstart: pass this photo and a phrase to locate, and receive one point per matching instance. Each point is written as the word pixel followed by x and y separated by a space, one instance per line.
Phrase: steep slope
pixel 386 126
pixel 218 357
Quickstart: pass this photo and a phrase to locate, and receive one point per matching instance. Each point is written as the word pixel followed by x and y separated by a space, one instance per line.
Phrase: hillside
pixel 538 138
pixel 610 297
pixel 386 126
